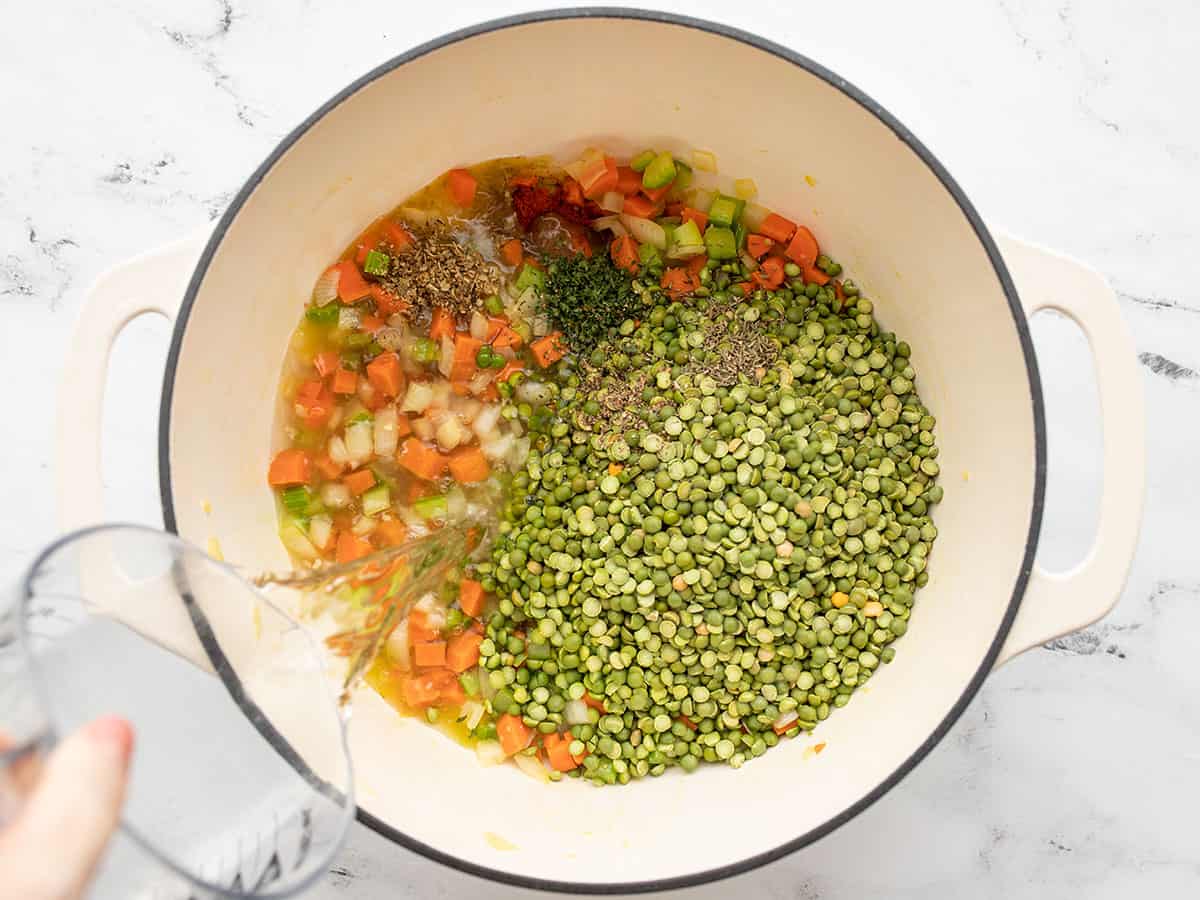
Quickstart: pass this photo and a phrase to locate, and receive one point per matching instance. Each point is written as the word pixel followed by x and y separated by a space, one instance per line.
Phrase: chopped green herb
pixel 586 297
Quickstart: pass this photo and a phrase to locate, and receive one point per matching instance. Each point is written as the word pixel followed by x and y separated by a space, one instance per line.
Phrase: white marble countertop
pixel 1071 123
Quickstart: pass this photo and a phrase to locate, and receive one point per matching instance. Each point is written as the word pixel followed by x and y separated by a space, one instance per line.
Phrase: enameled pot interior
pixel 818 156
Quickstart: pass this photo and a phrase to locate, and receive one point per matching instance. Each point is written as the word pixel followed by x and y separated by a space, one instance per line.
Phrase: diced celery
pixel 739 234
pixel 660 172
pixel 720 242
pixel 376 263
pixel 687 240
pixel 296 500
pixel 376 500
pixel 530 276
pixel 643 159
pixel 648 255
pixel 683 175
pixel 433 507
pixel 725 210
pixel 322 315
pixel 358 340
pixel 351 359
pixel 494 305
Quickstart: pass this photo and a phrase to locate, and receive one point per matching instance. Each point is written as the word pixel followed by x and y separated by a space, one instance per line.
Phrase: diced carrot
pixel 657 194
pixel 579 238
pixel 327 362
pixel 395 235
pixel 642 207
pixel 430 654
pixel 812 273
pixel 513 365
pixel 512 253
pixel 628 181
pixel 757 245
pixel 442 324
pixel 589 700
pixel 326 466
pixel 373 400
pixel 422 461
pixel 803 249
pixel 694 215
pixel 549 349
pixel 837 290
pixel 688 722
pixel 522 181
pixel 314 403
pixel 770 274
pixel 695 264
pixel 558 751
pixel 465 350
pixel 462 651
pixel 403 425
pixel 468 465
pixel 387 303
pixel 418 489
pixel 385 375
pixel 777 228
pixel 470 597
pixel 500 333
pixel 452 694
pixel 351 547
pixel 624 252
pixel 368 243
pixel 572 192
pixel 370 324
pixel 678 281
pixel 360 481
pixel 599 178
pixel 675 208
pixel 419 628
pixel 344 382
pixel 390 532
pixel 462 186
pixel 514 734
pixel 427 688
pixel 291 466
pixel 352 287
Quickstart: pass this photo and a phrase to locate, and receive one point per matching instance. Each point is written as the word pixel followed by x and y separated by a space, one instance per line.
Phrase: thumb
pixel 51 849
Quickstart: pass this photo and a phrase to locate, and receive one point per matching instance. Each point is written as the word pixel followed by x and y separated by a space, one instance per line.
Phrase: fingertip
pixel 113 732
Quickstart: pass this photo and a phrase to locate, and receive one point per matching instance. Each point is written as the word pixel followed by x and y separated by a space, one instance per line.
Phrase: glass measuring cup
pixel 241 782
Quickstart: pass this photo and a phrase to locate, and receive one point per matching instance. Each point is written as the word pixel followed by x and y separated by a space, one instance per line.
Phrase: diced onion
pixel 325 291
pixel 397 645
pixel 590 157
pixel 745 188
pixel 441 394
pixel 418 397
pixel 531 766
pixel 456 505
pixel 360 442
pixel 489 753
pixel 479 326
pixel 335 495
pixel 535 392
pixel 338 452
pixel 320 529
pixel 414 215
pixel 348 319
pixel 520 452
pixel 363 525
pixel 486 420
pixel 472 711
pixel 540 325
pixel 702 199
pixel 785 720
pixel 467 408
pixel 446 361
pixel 496 447
pixel 387 431
pixel 575 712
pixel 424 429
pixel 646 231
pixel 479 382
pixel 451 432
pixel 297 541
pixel 704 160
pixel 613 202
pixel 753 216
pixel 611 223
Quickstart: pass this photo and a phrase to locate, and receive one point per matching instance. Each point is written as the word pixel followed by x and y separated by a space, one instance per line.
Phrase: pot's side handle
pixel 154 282
pixel 1056 603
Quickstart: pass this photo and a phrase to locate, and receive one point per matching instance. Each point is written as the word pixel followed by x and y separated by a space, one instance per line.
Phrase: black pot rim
pixel 903 134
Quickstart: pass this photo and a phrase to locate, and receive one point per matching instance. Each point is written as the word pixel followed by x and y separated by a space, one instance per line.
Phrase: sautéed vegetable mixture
pixel 707 473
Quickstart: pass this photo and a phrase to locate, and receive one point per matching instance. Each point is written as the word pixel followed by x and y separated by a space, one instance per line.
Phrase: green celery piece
pixel 688 235
pixel 433 507
pixel 720 242
pixel 660 172
pixel 376 263
pixel 643 159
pixel 725 210
pixel 296 499
pixel 529 276
pixel 322 315
pixel 683 176
pixel 376 500
pixel 648 255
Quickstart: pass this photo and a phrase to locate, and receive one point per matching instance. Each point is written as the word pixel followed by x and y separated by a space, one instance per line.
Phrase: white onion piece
pixel 523 305
pixel 611 223
pixel 479 326
pixel 397 645
pixel 702 199
pixel 486 420
pixel 613 202
pixel 540 325
pixel 414 215
pixel 360 442
pixel 424 429
pixel 704 160
pixel 320 529
pixel 575 712
pixel 479 382
pixel 451 433
pixel 532 767
pixel 297 542
pixel 335 418
pixel 417 527
pixel 535 392
pixel 749 261
pixel 335 495
pixel 472 711
pixel 646 231
pixel 489 753
pixel 418 397
pixel 520 452
pixel 496 446
pixel 456 505
pixel 446 361
pixel 467 408
pixel 753 216
pixel 441 394
pixel 387 431
pixel 785 720
pixel 363 525
pixel 338 452
pixel 325 291
pixel 348 319
pixel 590 157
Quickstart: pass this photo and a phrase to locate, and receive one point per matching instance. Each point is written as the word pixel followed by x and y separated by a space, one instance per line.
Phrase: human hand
pixel 71 806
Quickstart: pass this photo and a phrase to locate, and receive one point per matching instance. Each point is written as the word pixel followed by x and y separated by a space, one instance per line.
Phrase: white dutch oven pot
pixel 878 201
